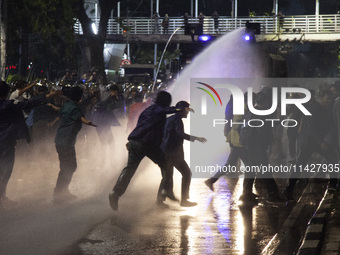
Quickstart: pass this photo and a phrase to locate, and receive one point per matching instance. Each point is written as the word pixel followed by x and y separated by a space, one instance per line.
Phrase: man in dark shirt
pixel 12 128
pixel 65 140
pixel 172 145
pixel 145 140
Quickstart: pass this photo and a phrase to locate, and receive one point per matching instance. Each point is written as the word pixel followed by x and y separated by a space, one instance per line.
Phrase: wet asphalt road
pixel 217 225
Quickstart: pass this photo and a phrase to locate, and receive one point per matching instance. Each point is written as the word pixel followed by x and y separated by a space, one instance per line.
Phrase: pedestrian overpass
pixel 312 28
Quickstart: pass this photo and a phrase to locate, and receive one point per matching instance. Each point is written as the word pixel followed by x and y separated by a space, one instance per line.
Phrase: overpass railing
pixel 268 24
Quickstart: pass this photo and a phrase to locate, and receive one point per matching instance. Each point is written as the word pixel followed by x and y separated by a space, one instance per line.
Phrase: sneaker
pixel 288 195
pixel 169 195
pixel 113 198
pixel 249 197
pixel 162 205
pixel 210 184
pixel 276 200
pixel 64 196
pixel 7 204
pixel 186 203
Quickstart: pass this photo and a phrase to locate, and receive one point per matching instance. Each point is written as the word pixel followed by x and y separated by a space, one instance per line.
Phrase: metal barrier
pixel 269 25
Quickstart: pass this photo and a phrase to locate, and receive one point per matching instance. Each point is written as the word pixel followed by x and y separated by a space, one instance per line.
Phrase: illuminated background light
pixel 247 37
pixel 94 28
pixel 204 38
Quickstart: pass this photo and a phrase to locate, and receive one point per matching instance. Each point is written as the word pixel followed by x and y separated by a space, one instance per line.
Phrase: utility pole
pixel 155 46
pixel 275 13
pixel 236 9
pixel 192 9
pixel 317 13
pixel 232 8
pixel 196 8
pixel 151 9
pixel 276 7
pixel 118 16
pixel 127 36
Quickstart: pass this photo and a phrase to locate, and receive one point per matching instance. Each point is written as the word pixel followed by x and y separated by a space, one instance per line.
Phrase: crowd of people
pixel 197 28
pixel 315 136
pixel 40 113
pixel 28 109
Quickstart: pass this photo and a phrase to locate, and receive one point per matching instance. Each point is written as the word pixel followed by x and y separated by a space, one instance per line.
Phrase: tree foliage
pixel 41 31
pixel 46 28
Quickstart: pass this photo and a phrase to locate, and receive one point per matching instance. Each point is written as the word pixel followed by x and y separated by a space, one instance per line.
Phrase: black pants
pixel 137 151
pixel 292 135
pixel 236 153
pixel 7 156
pixel 257 157
pixel 68 165
pixel 176 159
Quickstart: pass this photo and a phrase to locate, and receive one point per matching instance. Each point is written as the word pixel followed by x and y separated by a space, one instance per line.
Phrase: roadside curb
pixel 312 241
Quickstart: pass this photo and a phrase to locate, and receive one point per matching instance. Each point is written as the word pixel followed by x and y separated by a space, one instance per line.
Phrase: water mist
pixel 230 56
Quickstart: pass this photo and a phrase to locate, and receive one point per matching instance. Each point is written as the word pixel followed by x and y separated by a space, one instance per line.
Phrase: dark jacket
pixel 174 135
pixel 151 124
pixel 12 120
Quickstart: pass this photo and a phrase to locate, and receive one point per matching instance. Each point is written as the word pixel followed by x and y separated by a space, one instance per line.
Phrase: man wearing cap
pixel 145 141
pixel 172 145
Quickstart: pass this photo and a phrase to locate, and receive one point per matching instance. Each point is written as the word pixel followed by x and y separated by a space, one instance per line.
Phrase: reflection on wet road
pixel 217 225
